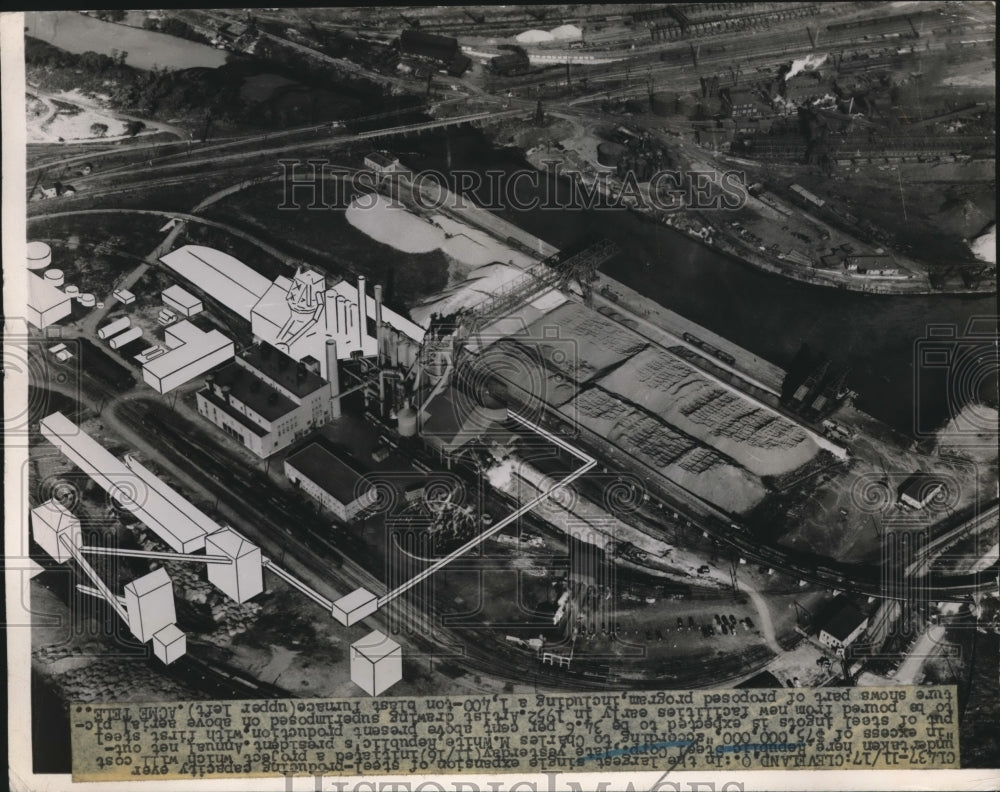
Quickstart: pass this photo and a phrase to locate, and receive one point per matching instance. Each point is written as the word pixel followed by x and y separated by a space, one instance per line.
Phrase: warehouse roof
pixel 225 278
pixel 180 296
pixel 323 467
pixel 189 344
pixel 42 295
pixel 844 621
pixel 245 387
pixel 288 373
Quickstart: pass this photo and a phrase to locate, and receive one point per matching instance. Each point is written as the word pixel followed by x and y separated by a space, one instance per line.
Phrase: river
pixel 876 336
pixel 76 32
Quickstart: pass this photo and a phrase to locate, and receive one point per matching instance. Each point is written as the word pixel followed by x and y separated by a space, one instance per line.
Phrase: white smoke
pixel 808 63
pixel 984 247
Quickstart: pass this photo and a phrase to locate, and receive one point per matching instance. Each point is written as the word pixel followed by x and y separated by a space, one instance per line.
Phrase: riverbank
pixel 576 153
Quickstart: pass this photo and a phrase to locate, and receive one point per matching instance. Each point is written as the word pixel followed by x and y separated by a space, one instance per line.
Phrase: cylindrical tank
pixel 55 276
pixel 407 421
pixel 87 300
pixel 127 337
pixel 666 103
pixel 113 328
pixel 71 291
pixel 609 153
pixel 39 255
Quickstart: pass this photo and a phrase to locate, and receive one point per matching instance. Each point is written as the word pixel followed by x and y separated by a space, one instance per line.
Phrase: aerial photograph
pixel 412 351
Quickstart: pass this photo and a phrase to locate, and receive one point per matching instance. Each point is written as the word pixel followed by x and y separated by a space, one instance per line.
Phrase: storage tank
pixel 113 328
pixel 39 255
pixel 407 421
pixel 666 103
pixel 609 153
pixel 55 276
pixel 87 300
pixel 72 291
pixel 127 337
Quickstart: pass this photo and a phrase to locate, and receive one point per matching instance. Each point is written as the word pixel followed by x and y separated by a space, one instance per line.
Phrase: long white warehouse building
pixel 151 500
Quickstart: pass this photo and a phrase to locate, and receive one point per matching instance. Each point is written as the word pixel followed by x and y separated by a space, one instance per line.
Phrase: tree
pixel 133 128
pixel 98 130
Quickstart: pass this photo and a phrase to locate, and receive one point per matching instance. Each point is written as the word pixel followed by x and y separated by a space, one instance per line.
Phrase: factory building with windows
pixel 267 400
pixel 329 479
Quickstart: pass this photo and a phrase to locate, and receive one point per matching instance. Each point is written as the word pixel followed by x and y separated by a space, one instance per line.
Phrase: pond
pixel 77 33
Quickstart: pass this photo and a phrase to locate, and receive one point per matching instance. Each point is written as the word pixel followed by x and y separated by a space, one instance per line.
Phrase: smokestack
pixel 378 321
pixel 362 312
pixel 341 315
pixel 333 376
pixel 331 312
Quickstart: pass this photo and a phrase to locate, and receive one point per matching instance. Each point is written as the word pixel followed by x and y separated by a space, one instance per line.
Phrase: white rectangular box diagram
pixel 241 580
pixel 49 522
pixel 150 604
pixel 182 301
pixel 376 663
pixel 355 606
pixel 45 303
pixel 169 644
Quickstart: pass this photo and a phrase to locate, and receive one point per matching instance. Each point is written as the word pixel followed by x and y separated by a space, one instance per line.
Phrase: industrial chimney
pixel 362 312
pixel 333 376
pixel 378 321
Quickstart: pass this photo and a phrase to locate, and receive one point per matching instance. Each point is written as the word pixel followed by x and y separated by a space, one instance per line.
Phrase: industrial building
pixel 218 274
pixel 844 627
pixel 124 296
pixel 135 488
pixel 243 579
pixel 376 663
pixel 266 400
pixel 453 420
pixel 510 63
pixel 381 162
pixel 918 490
pixel 299 315
pixel 441 49
pixel 191 352
pixel 149 601
pixel 427 45
pixel 328 479
pixel 52 524
pixel 46 303
pixel 182 301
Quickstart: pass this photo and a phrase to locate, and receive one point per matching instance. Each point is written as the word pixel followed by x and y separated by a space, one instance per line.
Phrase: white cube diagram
pixel 182 301
pixel 50 522
pixel 46 303
pixel 169 644
pixel 355 606
pixel 241 580
pixel 149 601
pixel 124 296
pixel 376 663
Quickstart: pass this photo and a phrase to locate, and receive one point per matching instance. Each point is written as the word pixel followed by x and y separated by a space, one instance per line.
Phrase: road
pixel 928 645
pixel 202 157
